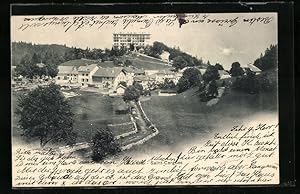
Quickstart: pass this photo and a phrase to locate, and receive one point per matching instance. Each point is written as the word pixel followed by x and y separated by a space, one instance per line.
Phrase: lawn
pixel 146 63
pixel 184 117
pixel 92 112
pixel 79 62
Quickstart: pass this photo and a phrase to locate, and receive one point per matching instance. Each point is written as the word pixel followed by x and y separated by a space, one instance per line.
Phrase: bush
pixel 104 145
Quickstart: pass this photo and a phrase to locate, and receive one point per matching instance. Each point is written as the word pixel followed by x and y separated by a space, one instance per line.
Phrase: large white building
pixel 126 39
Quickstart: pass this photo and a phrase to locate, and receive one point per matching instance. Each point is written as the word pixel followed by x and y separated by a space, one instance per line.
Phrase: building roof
pixel 121 86
pixel 170 90
pixel 128 69
pixel 108 72
pixel 138 71
pixel 66 69
pixel 40 65
pixel 143 78
pixel 202 71
pixel 253 68
pixel 165 71
pixel 106 64
pixel 86 68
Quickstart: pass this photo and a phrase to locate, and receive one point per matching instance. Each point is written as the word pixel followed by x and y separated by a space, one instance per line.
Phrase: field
pixel 79 62
pixel 92 112
pixel 146 63
pixel 184 117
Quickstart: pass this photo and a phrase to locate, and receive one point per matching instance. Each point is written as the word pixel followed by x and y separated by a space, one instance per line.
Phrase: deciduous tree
pixel 46 115
pixel 236 70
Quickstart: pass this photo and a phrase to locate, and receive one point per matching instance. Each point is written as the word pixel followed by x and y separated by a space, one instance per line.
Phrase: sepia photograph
pixel 144 99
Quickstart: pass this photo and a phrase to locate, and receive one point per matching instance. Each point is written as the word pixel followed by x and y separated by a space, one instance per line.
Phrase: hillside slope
pixel 184 117
pixel 20 49
pixel 146 63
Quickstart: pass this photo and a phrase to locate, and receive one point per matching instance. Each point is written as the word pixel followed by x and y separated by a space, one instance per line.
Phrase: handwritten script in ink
pixel 75 23
pixel 242 155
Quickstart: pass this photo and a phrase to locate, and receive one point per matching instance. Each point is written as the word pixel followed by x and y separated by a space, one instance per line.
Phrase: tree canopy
pixel 45 114
pixel 236 69
pixel 191 77
pixel 179 62
pixel 211 74
pixel 28 68
pixel 219 66
pixel 269 60
pixel 104 145
pixel 131 93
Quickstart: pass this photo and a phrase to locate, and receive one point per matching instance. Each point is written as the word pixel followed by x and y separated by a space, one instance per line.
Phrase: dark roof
pixel 86 68
pixel 66 69
pixel 128 69
pixel 108 72
pixel 168 91
pixel 106 64
pixel 143 78
pixel 165 71
pixel 138 71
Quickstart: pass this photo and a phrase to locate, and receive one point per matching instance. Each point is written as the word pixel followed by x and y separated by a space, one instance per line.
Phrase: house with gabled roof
pixel 254 68
pixel 85 73
pixel 144 80
pixel 66 75
pixel 109 77
pixel 163 74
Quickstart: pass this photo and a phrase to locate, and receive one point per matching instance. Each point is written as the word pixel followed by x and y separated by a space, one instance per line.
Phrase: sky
pixel 209 40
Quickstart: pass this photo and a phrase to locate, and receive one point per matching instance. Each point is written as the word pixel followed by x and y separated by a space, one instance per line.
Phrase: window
pixel 86 74
pixel 58 78
pixel 82 74
pixel 68 74
pixel 82 80
pixel 87 80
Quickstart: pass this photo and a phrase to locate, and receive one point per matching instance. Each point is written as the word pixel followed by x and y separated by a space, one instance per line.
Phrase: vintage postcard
pixel 145 99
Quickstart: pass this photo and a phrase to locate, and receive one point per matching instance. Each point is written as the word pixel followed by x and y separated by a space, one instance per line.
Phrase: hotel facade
pixel 126 39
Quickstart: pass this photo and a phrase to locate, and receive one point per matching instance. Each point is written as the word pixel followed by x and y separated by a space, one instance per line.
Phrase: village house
pixel 120 89
pixel 145 81
pixel 151 72
pixel 224 74
pixel 166 74
pixel 165 56
pixel 138 72
pixel 85 73
pixel 129 75
pixel 253 68
pixel 66 75
pixel 40 65
pixel 109 78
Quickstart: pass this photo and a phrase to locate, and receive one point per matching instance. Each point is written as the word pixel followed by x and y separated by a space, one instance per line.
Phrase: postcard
pixel 145 99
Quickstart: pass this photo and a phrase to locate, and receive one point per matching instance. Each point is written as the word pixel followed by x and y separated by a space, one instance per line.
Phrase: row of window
pixel 129 40
pixel 75 74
